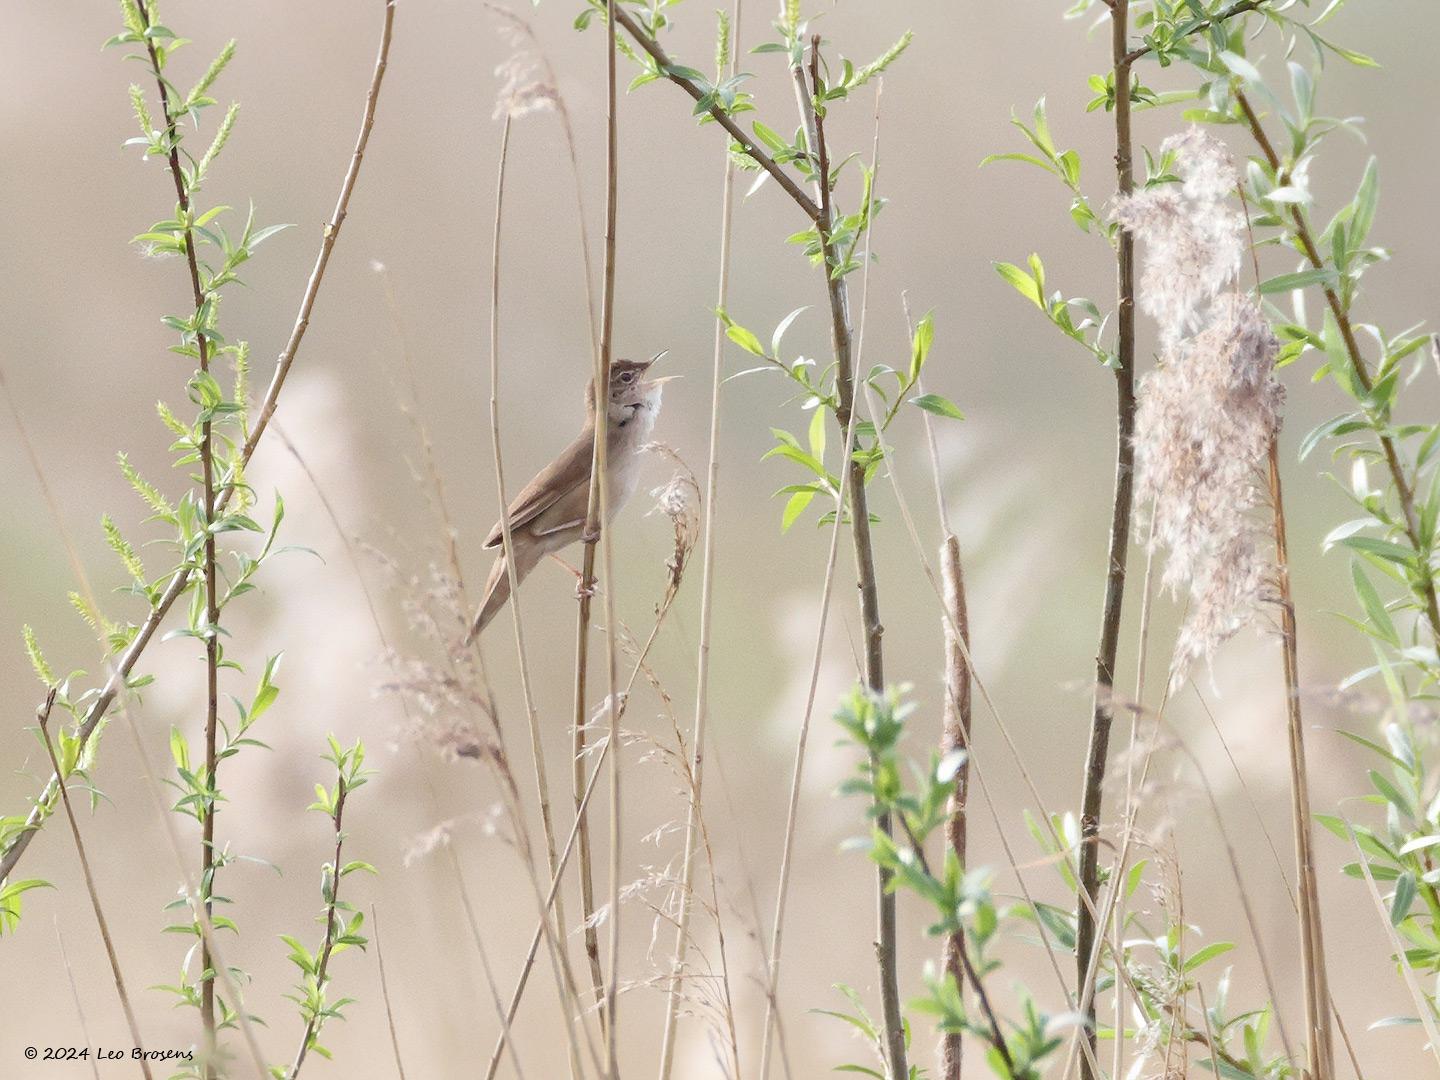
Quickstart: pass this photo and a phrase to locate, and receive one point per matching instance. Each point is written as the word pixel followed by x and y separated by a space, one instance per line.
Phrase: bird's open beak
pixel 656 358
pixel 664 379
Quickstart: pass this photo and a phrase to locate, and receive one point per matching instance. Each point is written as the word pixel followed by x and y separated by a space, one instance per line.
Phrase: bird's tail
pixel 497 591
pixel 497 586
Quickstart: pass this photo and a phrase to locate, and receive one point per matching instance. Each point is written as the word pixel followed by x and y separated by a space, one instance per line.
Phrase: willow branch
pixel 721 117
pixel 1199 26
pixel 1112 609
pixel 1306 241
pixel 212 606
pixel 120 675
pixel 327 946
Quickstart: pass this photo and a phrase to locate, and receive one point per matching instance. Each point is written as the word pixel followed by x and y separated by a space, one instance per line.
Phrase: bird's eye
pixel 627 376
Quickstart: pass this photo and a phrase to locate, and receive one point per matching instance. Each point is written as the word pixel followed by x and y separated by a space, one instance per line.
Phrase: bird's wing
pixel 553 485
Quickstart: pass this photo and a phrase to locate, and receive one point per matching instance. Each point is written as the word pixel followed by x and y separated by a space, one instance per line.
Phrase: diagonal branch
pixel 1306 241
pixel 1200 25
pixel 43 718
pixel 759 156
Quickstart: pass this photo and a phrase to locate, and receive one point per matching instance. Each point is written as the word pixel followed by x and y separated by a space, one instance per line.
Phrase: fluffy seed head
pixel 1192 236
pixel 1207 415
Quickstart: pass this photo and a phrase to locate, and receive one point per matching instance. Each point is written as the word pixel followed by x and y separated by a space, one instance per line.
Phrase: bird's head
pixel 630 390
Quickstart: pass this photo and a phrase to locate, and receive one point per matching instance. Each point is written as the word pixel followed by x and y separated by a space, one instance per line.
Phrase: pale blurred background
pixel 1028 473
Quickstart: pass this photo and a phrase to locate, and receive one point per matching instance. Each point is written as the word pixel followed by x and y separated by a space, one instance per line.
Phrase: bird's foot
pixel 567 566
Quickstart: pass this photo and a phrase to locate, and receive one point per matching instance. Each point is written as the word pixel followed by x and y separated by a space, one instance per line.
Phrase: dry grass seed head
pixel 1208 414
pixel 521 91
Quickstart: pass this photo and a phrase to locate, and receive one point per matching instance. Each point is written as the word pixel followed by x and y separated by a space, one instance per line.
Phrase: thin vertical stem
pixel 807 85
pixel 1319 1047
pixel 954 739
pixel 75 994
pixel 1101 712
pixel 600 501
pixel 327 945
pixel 43 717
pixel 587 790
pixel 694 812
pixel 385 993
pixel 537 748
pixel 212 605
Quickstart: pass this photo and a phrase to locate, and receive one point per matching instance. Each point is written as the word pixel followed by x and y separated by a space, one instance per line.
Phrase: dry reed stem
pixel 385 994
pixel 1319 1048
pixel 1240 888
pixel 75 994
pixel 43 718
pixel 958 699
pixel 383 638
pixel 600 501
pixel 118 676
pixel 707 586
pixel 792 813
pixel 1279 867
pixel 953 738
pixel 576 831
pixel 437 499
pixel 523 979
pixel 532 716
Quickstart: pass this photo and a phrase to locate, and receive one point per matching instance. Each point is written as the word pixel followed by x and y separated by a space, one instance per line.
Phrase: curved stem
pixel 694 813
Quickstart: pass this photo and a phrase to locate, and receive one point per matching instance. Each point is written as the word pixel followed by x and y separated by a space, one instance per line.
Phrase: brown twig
pixel 1101 715
pixel 43 718
pixel 1306 241
pixel 1319 1047
pixel 119 676
pixel 808 86
pixel 765 161
pixel 1202 24
pixel 212 603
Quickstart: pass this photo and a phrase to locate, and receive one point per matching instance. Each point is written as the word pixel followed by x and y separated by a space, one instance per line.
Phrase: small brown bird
pixel 550 513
